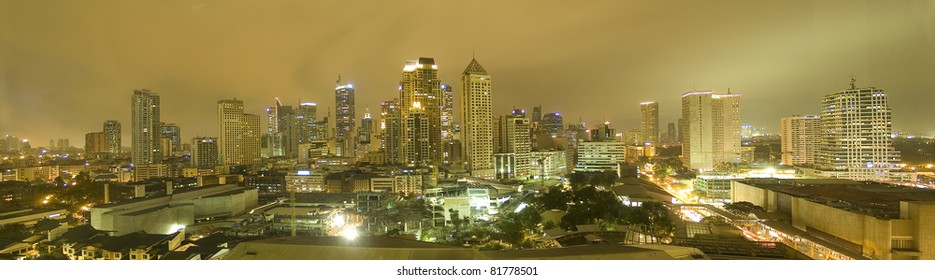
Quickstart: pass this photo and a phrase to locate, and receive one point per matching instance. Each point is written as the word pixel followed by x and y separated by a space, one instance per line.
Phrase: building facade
pixel 711 133
pixel 145 132
pixel 477 120
pixel 649 121
pixel 239 141
pixel 800 137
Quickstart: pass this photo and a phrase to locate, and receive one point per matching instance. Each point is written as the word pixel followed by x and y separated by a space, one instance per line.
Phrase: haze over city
pixel 65 67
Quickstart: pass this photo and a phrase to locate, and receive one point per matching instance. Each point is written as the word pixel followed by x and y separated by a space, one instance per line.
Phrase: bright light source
pixel 175 228
pixel 350 233
pixel 338 220
pixel 520 207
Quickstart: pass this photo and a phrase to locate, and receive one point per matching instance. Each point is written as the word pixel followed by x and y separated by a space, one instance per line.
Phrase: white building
pixel 477 121
pixel 856 135
pixel 601 156
pixel 711 133
pixel 239 141
pixel 800 137
pixel 146 129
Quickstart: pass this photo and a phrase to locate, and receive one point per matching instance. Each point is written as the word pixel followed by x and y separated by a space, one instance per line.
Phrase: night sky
pixel 67 66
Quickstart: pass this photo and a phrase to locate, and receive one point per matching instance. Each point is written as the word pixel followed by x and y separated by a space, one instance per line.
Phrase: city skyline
pixel 774 76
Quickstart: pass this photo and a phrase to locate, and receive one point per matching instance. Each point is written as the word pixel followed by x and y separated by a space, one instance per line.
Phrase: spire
pixel 474 68
pixel 339 79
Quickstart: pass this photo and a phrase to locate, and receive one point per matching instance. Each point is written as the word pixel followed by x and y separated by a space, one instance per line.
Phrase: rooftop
pixel 878 199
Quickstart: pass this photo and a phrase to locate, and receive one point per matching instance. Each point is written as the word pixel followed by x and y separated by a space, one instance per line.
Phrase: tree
pixel 743 208
pixel 83 178
pixel 59 181
pixel 659 217
pixel 456 220
pixel 554 198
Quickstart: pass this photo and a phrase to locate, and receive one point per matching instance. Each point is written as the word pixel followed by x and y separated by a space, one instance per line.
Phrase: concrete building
pixel 600 156
pixel 145 131
pixel 239 141
pixel 303 181
pixel 204 152
pixel 173 133
pixel 856 135
pixel 168 213
pixel 843 219
pixel 391 124
pixel 800 137
pixel 649 122
pixel 470 200
pixel 420 85
pixel 345 118
pixel 416 136
pixel 112 129
pixel 96 143
pixel 547 163
pixel 553 125
pixel 711 133
pixel 477 120
pixel 512 139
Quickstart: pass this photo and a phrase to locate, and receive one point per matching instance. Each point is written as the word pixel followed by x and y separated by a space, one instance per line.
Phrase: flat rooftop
pixel 847 194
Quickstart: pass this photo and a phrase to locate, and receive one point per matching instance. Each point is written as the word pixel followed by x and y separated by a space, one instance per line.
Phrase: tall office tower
pixel 112 129
pixel 391 129
pixel 306 118
pixel 420 84
pixel 416 148
pixel 856 134
pixel 145 127
pixel 344 118
pixel 552 124
pixel 239 141
pixel 799 138
pixel 95 144
pixel 672 134
pixel 366 129
pixel 204 152
pixel 447 115
pixel 632 137
pixel 511 141
pixel 649 122
pixel 477 120
pixel 536 115
pixel 712 129
pixel 172 132
pixel 287 130
pixel 271 141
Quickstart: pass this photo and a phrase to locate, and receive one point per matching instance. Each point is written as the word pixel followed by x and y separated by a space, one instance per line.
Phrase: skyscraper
pixel 112 129
pixel 95 144
pixel 800 136
pixel 477 120
pixel 172 132
pixel 447 115
pixel 649 121
pixel 204 152
pixel 856 134
pixel 345 118
pixel 512 142
pixel 420 84
pixel 712 129
pixel 239 141
pixel 145 127
pixel 391 130
pixel 416 148
pixel 366 129
pixel 307 122
pixel 552 124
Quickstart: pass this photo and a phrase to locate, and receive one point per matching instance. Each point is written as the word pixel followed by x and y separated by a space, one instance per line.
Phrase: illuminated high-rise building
pixel 391 130
pixel 856 135
pixel 171 132
pixel 420 84
pixel 512 146
pixel 112 129
pixel 552 125
pixel 799 139
pixel 649 122
pixel 145 128
pixel 712 129
pixel 447 113
pixel 204 152
pixel 416 147
pixel 477 120
pixel 344 119
pixel 239 141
